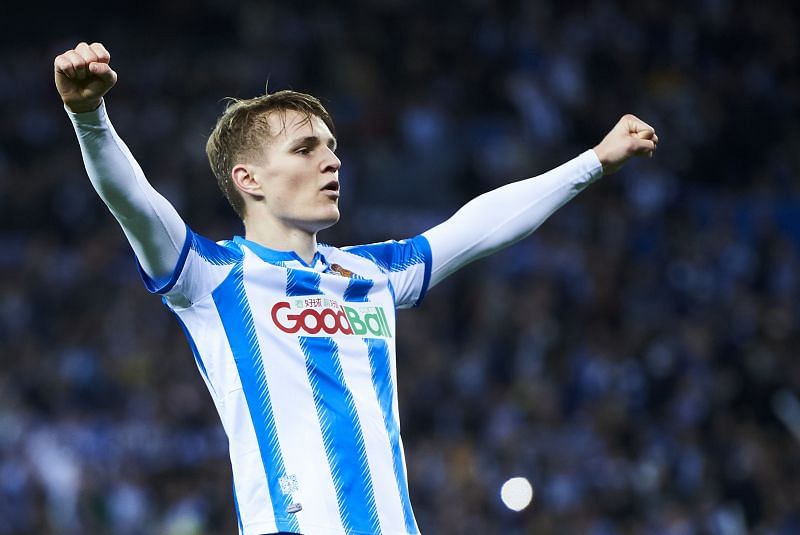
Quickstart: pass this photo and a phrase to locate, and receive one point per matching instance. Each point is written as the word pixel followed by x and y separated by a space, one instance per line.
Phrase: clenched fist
pixel 83 76
pixel 630 137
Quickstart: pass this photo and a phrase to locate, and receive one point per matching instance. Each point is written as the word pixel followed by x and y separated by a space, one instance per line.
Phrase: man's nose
pixel 331 162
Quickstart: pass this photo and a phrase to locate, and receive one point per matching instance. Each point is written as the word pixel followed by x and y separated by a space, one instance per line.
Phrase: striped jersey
pixel 300 362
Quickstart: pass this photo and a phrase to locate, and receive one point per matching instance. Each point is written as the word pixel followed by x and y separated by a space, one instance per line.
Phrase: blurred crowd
pixel 635 359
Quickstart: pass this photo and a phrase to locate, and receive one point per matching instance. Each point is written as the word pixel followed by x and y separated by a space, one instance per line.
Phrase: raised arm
pixel 152 225
pixel 507 214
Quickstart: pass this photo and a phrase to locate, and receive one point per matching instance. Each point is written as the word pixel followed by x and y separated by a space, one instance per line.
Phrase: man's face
pixel 299 172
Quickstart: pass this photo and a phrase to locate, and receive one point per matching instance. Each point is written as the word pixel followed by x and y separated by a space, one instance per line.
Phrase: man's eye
pixel 303 150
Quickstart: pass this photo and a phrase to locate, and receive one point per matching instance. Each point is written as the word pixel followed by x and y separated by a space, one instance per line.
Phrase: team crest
pixel 336 268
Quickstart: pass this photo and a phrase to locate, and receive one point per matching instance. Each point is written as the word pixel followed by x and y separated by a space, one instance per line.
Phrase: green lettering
pixel 374 324
pixel 386 331
pixel 359 328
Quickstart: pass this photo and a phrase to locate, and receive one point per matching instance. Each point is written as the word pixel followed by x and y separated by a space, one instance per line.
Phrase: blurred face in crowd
pixel 298 172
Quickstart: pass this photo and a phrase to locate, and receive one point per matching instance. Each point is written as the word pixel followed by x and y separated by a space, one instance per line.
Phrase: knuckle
pixel 86 54
pixel 100 51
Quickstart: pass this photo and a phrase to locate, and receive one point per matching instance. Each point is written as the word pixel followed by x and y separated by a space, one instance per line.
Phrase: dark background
pixel 636 358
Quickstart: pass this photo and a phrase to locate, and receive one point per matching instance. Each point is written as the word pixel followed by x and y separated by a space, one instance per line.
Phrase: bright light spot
pixel 516 493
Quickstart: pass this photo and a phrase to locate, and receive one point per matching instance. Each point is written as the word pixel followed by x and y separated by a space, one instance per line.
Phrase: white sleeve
pixel 152 225
pixel 505 215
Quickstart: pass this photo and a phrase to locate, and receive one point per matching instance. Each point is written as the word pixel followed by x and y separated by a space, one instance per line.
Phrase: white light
pixel 516 493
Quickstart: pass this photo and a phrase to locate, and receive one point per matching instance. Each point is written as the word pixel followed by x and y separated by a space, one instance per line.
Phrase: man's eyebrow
pixel 313 141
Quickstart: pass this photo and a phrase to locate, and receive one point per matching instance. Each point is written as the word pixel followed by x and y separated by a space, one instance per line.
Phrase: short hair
pixel 243 129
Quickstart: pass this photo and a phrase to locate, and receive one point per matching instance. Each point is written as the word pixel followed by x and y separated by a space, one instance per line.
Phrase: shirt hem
pixel 266 528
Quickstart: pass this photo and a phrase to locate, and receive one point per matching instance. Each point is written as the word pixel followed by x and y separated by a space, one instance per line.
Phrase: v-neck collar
pixel 274 256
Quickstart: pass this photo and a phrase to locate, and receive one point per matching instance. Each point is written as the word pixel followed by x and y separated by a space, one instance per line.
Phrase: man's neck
pixel 283 238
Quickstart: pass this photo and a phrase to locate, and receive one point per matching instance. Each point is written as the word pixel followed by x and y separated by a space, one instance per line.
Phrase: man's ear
pixel 245 180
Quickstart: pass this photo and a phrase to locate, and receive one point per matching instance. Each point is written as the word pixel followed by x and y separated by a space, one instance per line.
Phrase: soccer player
pixel 294 339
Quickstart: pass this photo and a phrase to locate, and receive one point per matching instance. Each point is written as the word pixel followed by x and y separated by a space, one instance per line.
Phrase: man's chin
pixel 327 222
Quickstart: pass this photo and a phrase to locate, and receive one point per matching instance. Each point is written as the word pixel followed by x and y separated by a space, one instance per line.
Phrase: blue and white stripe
pixel 381 370
pixel 342 435
pixel 234 310
pixel 312 420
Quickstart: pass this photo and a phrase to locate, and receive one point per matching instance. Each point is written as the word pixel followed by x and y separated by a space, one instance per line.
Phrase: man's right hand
pixel 83 76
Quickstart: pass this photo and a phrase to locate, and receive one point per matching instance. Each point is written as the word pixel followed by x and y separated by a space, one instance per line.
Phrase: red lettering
pixel 304 315
pixel 287 329
pixel 344 324
pixel 311 321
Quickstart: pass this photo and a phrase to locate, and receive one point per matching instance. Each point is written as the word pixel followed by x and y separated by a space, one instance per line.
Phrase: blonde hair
pixel 243 129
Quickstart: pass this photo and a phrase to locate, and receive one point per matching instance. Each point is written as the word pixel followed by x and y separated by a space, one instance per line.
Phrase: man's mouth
pixel 331 188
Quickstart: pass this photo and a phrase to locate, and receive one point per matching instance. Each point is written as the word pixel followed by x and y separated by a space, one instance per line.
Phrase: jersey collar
pixel 273 256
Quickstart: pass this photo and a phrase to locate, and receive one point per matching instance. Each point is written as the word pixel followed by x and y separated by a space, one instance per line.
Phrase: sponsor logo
pixel 321 316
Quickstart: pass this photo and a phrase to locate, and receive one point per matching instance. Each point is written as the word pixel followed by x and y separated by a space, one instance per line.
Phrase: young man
pixel 295 339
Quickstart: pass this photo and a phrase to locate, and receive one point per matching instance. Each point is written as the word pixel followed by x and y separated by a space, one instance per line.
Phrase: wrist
pixel 602 157
pixel 83 106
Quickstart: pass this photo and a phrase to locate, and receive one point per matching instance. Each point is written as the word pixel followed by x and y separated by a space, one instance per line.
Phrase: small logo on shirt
pixel 344 272
pixel 322 316
pixel 289 486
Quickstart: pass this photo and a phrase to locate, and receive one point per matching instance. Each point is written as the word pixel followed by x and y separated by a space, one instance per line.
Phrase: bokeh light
pixel 516 493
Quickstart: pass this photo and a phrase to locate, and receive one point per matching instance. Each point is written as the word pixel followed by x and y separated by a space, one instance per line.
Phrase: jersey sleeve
pixel 407 263
pixel 504 216
pixel 151 224
pixel 202 266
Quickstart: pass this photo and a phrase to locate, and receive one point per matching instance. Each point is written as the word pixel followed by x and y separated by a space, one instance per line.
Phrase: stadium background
pixel 636 359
